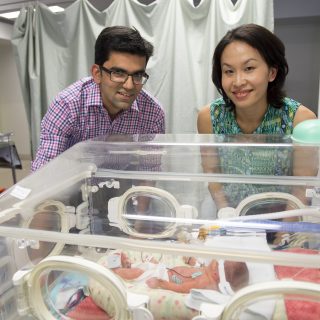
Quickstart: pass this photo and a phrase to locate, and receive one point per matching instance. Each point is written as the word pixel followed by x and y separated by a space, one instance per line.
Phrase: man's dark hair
pixel 121 39
pixel 270 47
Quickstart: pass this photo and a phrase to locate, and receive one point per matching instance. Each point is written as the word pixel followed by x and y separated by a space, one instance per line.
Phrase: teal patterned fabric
pixel 253 160
pixel 276 121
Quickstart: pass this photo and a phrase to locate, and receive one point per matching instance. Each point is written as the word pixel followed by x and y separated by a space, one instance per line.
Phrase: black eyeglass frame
pixel 144 76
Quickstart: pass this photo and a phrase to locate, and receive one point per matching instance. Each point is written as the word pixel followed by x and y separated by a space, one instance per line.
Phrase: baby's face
pixel 125 261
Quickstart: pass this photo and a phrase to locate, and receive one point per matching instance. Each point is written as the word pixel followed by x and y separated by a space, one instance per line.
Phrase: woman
pixel 249 71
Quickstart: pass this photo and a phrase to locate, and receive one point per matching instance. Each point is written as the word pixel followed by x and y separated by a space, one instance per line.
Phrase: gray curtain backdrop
pixel 55 49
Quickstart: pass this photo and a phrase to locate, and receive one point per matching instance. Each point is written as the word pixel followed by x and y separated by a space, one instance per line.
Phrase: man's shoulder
pixel 146 99
pixel 79 88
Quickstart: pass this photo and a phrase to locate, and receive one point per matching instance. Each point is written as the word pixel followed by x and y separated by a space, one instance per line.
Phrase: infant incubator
pixel 151 227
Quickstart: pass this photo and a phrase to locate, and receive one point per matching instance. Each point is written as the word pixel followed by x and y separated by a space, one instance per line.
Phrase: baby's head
pixel 229 276
pixel 236 273
pixel 125 260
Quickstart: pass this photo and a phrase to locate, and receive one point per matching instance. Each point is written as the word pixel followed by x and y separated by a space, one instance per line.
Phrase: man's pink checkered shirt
pixel 77 114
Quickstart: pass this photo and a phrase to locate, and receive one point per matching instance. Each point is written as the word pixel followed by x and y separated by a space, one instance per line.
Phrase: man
pixel 111 101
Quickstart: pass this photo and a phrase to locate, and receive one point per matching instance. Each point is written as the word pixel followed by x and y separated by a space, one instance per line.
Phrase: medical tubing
pixel 278 215
pixel 289 226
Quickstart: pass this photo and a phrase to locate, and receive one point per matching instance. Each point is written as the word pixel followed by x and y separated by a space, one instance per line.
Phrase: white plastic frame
pixel 268 289
pixel 29 285
pixel 69 218
pixel 229 212
pixel 224 285
pixel 116 209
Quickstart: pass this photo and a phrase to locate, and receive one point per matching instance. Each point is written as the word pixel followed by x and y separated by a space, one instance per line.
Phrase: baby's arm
pixel 156 283
pixel 128 273
pixel 196 283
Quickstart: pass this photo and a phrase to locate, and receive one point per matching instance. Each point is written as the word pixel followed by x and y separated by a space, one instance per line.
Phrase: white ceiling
pixel 14 5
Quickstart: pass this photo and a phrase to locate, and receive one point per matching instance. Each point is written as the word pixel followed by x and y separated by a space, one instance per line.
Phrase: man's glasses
pixel 122 76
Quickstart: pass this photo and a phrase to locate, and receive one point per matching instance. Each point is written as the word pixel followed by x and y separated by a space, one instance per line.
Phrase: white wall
pixel 298 26
pixel 301 38
pixel 5 31
pixel 12 112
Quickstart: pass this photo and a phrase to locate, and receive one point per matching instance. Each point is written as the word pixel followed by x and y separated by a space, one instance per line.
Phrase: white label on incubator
pixel 20 192
pixel 313 193
pixel 114 261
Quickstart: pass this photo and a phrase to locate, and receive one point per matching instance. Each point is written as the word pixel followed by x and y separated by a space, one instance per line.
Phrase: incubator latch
pixel 110 184
pixel 20 283
pixel 86 190
pixel 23 243
pixel 82 216
pixel 313 193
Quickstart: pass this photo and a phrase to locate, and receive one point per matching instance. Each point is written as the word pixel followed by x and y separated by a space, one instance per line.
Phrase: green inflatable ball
pixel 307 131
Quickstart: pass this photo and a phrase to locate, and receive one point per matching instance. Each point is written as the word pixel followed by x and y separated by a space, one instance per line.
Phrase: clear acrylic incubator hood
pixel 165 227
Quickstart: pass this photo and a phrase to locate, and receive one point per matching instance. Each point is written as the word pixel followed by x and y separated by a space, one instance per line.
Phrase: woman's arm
pixel 305 158
pixel 303 113
pixel 204 120
pixel 210 159
pixel 305 163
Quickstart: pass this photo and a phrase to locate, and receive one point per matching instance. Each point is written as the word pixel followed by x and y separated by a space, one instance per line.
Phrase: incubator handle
pixel 29 284
pixel 267 290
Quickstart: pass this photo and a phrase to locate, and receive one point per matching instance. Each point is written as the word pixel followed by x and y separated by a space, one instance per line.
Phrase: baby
pixel 224 276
